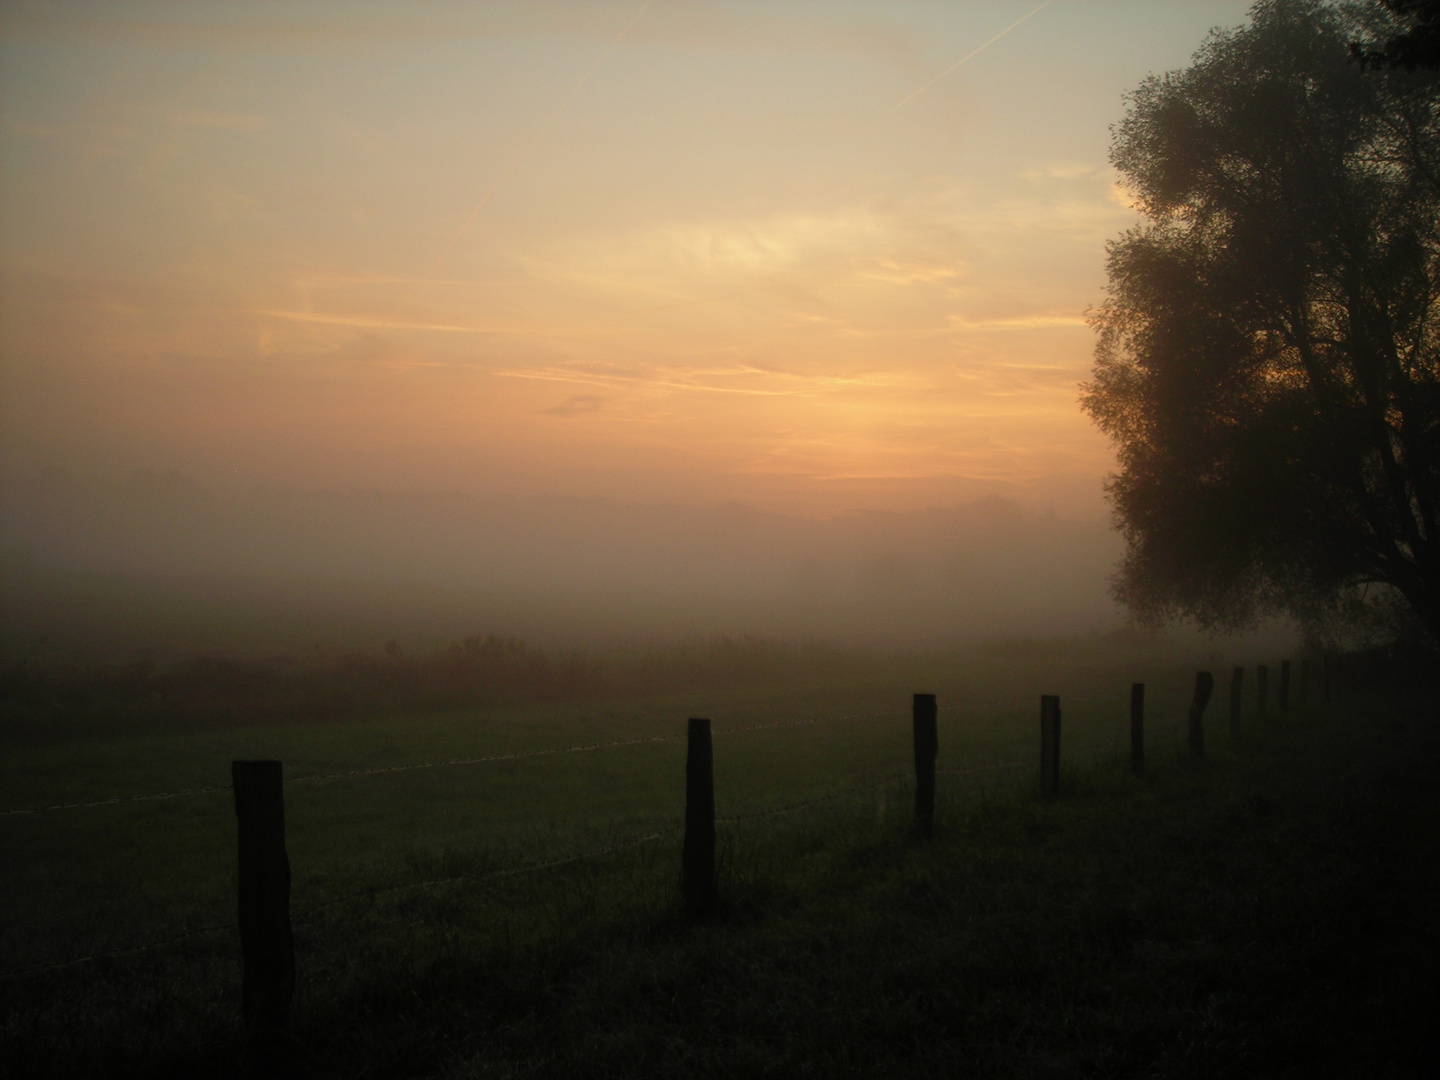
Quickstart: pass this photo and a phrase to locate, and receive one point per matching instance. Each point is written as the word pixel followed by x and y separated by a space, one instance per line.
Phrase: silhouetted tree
pixel 1267 356
pixel 1416 46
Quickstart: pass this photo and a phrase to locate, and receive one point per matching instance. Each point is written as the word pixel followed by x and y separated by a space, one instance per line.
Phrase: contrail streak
pixel 974 52
pixel 524 153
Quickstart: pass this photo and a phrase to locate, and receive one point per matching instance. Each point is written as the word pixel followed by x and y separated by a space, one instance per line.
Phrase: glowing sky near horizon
pixel 667 251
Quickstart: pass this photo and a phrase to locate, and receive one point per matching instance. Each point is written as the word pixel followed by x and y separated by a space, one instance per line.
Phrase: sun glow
pixel 663 250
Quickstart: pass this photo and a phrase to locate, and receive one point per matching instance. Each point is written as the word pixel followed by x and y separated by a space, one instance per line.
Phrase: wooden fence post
pixel 1262 688
pixel 697 860
pixel 1137 728
pixel 1284 686
pixel 1304 682
pixel 267 945
pixel 1237 681
pixel 1049 745
pixel 927 745
pixel 1204 687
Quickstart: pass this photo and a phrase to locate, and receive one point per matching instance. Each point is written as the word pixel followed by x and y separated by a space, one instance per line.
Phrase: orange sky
pixel 714 251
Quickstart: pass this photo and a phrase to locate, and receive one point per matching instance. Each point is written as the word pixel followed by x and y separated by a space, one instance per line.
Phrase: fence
pixel 265 920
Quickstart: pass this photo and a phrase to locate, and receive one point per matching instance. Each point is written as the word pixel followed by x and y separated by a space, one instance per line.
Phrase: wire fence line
pixel 181 793
pixel 619 845
pixel 1091 752
pixel 378 770
pixel 547 864
pixel 518 755
pixel 132 950
pixel 885 781
pixel 385 890
pixel 577 749
pixel 591 853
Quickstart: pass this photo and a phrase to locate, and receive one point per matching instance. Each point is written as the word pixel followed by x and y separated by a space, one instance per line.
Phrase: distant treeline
pixel 39 698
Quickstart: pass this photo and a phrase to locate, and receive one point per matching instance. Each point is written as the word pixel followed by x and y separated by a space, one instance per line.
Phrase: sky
pixel 813 258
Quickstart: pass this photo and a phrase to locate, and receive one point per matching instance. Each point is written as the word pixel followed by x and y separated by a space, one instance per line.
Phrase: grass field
pixel 1264 913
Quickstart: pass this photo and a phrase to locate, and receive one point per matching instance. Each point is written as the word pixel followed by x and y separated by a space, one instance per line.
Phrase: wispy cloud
pixel 736 379
pixel 1064 170
pixel 222 121
pixel 578 405
pixel 912 271
pixel 370 322
pixel 1035 321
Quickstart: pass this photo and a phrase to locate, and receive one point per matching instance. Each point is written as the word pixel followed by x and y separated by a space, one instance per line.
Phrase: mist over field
pixel 160 561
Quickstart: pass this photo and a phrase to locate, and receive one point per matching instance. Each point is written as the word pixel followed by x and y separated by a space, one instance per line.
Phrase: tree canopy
pixel 1268 363
pixel 1416 45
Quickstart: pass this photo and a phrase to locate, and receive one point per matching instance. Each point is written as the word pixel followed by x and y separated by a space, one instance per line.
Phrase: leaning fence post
pixel 1262 688
pixel 1204 687
pixel 1137 728
pixel 267 945
pixel 1284 686
pixel 697 860
pixel 927 745
pixel 1049 745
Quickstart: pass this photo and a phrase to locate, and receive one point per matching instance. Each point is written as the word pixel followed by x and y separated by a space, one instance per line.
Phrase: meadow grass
pixel 1198 918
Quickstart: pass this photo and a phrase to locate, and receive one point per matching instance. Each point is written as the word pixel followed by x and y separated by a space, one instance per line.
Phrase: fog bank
pixel 159 561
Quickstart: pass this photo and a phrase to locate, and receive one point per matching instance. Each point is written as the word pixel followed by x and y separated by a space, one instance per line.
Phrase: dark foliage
pixel 1417 47
pixel 1268 364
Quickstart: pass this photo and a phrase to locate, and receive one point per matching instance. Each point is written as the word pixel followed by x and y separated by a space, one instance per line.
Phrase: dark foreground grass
pixel 1271 912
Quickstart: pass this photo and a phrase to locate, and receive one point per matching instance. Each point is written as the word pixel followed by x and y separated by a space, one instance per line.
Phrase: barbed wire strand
pixel 382 769
pixel 532 868
pixel 514 756
pixel 581 748
pixel 128 951
pixel 115 801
